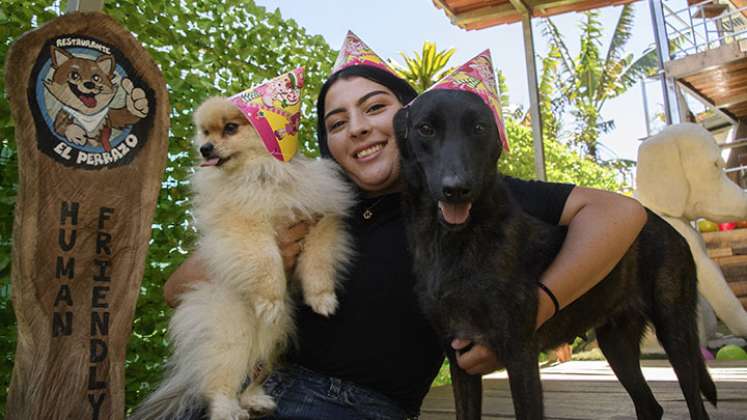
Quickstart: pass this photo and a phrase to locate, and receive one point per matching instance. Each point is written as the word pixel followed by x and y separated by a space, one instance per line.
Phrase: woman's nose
pixel 359 126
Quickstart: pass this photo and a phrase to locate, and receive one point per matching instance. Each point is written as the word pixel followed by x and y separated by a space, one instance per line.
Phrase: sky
pixel 393 26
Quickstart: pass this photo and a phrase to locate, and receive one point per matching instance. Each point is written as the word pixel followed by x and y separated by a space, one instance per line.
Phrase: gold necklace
pixel 368 212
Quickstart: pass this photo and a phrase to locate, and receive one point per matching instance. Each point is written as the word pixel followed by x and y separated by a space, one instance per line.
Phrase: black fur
pixel 478 280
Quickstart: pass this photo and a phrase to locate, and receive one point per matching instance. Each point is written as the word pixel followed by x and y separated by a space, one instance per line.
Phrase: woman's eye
pixel 230 129
pixel 335 125
pixel 374 107
pixel 479 128
pixel 426 130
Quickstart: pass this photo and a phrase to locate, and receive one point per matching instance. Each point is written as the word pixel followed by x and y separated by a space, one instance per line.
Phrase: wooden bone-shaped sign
pixel 92 118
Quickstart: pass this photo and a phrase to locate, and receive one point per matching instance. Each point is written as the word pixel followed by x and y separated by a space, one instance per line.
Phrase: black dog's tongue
pixel 454 213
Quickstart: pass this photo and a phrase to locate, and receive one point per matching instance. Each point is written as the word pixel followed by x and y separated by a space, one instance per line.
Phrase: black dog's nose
pixel 89 85
pixel 206 150
pixel 455 188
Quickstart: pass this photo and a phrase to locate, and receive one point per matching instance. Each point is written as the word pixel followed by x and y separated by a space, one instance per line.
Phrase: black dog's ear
pixel 401 122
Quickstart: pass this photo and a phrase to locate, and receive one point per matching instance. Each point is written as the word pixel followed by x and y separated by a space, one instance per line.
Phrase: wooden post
pixel 534 101
pixel 91 113
pixel 85 6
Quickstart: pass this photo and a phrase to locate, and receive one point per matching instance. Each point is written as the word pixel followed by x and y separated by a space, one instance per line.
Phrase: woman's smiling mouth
pixel 369 151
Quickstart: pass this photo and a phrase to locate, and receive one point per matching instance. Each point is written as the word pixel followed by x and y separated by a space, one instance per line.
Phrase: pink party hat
pixel 274 110
pixel 477 76
pixel 355 52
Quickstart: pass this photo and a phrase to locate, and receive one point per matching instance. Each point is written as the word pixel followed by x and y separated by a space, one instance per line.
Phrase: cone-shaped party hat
pixel 355 52
pixel 274 110
pixel 477 76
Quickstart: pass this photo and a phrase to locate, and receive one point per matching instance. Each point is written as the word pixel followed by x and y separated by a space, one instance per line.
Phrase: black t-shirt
pixel 378 338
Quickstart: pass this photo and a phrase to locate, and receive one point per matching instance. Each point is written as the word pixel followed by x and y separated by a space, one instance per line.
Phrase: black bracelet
pixel 552 297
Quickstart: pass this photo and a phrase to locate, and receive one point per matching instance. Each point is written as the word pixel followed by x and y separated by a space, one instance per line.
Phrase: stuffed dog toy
pixel 680 177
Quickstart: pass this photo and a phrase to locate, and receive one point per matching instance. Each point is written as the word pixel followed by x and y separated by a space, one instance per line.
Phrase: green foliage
pixel 503 97
pixel 203 48
pixel 587 81
pixel 444 375
pixel 426 67
pixel 550 105
pixel 562 164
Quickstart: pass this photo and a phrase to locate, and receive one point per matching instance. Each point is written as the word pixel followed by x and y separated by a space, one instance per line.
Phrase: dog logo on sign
pixel 90 110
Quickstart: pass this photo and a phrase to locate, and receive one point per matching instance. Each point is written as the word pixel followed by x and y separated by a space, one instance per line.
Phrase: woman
pixel 376 357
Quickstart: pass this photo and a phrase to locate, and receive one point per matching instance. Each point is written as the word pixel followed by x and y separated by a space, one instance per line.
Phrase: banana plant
pixel 590 79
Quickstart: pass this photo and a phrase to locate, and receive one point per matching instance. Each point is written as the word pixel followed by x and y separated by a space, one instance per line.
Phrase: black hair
pixel 401 89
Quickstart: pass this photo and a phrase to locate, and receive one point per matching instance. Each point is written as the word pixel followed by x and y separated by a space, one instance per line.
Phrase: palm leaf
pixel 589 67
pixel 550 30
pixel 548 103
pixel 620 37
pixel 424 68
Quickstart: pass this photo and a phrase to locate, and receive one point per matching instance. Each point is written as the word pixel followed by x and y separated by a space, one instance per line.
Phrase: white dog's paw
pixel 257 401
pixel 136 101
pixel 324 303
pixel 269 311
pixel 93 142
pixel 76 134
pixel 224 408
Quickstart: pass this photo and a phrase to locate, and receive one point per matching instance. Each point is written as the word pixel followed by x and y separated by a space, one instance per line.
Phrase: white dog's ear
pixel 59 56
pixel 106 64
pixel 661 183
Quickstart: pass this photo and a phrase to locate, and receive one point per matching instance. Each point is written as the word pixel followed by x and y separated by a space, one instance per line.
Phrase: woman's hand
pixel 290 242
pixel 192 271
pixel 478 360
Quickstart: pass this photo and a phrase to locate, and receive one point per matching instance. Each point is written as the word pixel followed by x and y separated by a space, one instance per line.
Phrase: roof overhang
pixel 480 14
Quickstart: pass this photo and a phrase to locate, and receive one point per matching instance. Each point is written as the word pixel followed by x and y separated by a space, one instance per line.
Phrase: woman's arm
pixel 601 227
pixel 193 271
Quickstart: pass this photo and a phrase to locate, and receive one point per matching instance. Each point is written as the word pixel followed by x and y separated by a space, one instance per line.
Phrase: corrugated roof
pixel 480 14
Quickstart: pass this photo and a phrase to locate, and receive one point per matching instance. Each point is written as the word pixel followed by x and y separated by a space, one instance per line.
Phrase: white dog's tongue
pixel 455 213
pixel 88 101
pixel 210 162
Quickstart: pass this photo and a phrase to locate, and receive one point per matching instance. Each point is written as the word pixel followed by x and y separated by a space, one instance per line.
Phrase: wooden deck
pixel 589 390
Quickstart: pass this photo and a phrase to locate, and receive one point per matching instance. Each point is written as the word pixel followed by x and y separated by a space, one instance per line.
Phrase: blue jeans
pixel 302 394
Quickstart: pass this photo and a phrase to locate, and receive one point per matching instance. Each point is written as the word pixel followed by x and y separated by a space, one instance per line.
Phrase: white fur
pixel 680 177
pixel 243 316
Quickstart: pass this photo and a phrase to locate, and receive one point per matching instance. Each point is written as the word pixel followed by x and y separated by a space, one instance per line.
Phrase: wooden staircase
pixel 729 250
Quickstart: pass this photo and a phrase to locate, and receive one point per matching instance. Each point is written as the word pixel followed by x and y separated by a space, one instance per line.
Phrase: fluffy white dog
pixel 243 315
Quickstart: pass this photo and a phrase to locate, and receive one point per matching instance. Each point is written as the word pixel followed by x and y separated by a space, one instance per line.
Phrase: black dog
pixel 478 258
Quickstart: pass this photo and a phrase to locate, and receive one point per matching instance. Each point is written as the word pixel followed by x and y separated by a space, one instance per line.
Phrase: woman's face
pixel 358 118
